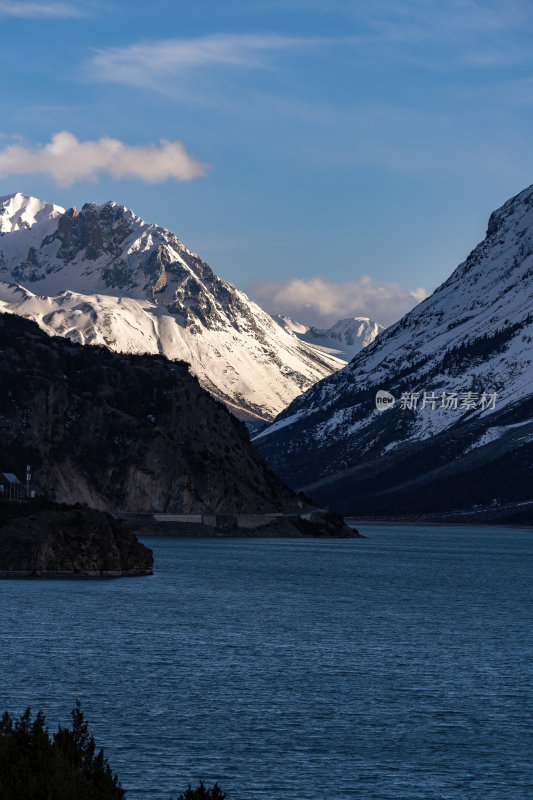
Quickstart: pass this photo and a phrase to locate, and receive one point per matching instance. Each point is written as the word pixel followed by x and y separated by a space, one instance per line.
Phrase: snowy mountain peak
pixel 20 212
pixel 353 331
pixel 512 211
pixel 344 339
pixel 135 287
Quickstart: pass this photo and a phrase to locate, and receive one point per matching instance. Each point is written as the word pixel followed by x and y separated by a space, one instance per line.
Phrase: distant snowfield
pixel 343 339
pixel 104 276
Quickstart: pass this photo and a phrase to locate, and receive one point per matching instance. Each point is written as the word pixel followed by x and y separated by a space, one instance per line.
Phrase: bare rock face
pixel 92 231
pixel 43 539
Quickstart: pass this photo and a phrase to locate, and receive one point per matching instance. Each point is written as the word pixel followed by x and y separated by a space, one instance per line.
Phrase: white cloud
pixel 148 63
pixel 68 160
pixel 18 8
pixel 321 302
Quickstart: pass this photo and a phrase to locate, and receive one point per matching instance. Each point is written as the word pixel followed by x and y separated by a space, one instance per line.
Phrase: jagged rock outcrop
pixel 43 539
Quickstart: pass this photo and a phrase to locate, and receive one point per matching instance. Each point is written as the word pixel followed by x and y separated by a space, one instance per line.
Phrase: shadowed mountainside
pixel 124 432
pixel 445 445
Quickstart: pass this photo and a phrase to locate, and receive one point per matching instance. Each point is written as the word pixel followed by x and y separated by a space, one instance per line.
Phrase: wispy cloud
pixel 473 33
pixel 68 160
pixel 148 63
pixel 480 34
pixel 410 20
pixel 456 35
pixel 19 8
pixel 321 301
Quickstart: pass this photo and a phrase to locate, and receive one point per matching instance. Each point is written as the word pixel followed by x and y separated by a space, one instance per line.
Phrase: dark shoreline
pixel 440 523
pixel 43 539
pixel 322 526
pixel 67 576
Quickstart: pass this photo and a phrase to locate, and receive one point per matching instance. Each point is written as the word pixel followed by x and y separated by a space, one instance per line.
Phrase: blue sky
pixel 335 155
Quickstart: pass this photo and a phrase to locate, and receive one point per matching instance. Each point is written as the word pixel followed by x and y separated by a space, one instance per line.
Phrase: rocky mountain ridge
pixel 103 275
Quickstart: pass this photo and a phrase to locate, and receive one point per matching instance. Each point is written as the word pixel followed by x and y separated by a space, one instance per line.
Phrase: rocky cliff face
pixel 460 367
pixel 134 433
pixel 41 539
pixel 104 276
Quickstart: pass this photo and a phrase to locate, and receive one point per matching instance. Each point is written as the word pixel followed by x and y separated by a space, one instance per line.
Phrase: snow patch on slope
pixel 105 276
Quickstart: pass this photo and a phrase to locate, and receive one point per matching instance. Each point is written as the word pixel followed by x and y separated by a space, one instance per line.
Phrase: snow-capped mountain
pixel 103 275
pixel 460 367
pixel 344 339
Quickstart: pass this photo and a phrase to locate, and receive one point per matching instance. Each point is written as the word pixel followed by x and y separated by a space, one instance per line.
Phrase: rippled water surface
pixel 398 666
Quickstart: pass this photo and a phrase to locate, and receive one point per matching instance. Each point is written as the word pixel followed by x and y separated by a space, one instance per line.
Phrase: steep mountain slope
pixel 103 275
pixel 120 432
pixel 344 339
pixel 469 439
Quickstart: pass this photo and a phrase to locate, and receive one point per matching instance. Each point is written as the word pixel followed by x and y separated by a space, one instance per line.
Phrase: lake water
pixel 398 666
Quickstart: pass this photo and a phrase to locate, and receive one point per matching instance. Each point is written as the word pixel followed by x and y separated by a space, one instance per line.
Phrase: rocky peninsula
pixel 40 538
